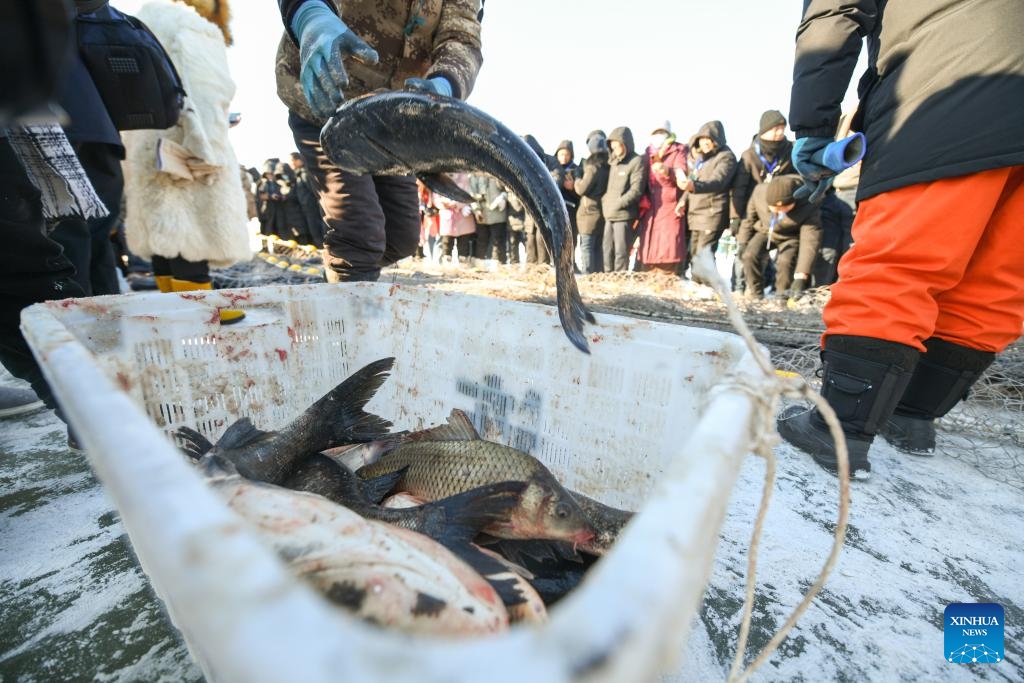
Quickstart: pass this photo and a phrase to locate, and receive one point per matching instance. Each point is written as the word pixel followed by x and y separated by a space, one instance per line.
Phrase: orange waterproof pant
pixel 940 259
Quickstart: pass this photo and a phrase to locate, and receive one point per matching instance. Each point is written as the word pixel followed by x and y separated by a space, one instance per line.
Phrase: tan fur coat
pixel 202 218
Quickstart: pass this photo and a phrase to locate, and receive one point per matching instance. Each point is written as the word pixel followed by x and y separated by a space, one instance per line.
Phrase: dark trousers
pixel 536 247
pixel 590 251
pixel 795 254
pixel 33 268
pixel 492 241
pixel 464 244
pixel 87 242
pixel 615 243
pixel 515 238
pixel 180 269
pixel 372 221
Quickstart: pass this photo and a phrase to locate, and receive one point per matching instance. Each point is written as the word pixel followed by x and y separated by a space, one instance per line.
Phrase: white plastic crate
pixel 644 422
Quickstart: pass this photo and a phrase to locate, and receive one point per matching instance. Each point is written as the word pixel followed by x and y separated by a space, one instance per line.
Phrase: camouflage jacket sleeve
pixel 288 10
pixel 456 53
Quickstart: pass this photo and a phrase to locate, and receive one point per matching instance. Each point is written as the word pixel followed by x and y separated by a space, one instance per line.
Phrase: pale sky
pixel 561 68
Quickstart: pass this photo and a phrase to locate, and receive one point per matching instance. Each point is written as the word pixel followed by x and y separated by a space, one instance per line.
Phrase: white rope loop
pixel 765 393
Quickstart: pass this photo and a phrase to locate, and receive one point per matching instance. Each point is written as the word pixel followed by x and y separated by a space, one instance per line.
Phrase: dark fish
pixel 452 458
pixel 607 521
pixel 450 521
pixel 337 418
pixel 402 132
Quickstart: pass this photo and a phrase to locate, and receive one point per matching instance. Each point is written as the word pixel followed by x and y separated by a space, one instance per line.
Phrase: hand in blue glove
pixel 438 85
pixel 324 41
pixel 817 178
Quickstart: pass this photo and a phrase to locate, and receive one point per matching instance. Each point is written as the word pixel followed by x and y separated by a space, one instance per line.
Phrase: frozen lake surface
pixel 923 533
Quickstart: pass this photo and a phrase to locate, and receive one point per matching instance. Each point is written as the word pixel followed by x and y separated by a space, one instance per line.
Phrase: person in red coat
pixel 663 228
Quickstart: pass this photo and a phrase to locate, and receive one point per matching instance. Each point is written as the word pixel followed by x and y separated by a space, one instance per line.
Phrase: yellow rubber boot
pixel 163 283
pixel 228 316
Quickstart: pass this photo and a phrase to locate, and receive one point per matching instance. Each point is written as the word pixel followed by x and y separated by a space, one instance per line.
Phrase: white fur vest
pixel 199 219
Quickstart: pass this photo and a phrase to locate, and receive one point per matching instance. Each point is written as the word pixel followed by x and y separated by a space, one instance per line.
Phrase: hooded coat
pixel 663 239
pixel 413 39
pixel 202 218
pixel 590 186
pixel 627 180
pixel 707 206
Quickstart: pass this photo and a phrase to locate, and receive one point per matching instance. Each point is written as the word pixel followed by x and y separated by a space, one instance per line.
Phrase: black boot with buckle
pixel 941 379
pixel 862 379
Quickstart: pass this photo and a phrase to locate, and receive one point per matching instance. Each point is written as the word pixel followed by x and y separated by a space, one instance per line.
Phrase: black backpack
pixel 132 72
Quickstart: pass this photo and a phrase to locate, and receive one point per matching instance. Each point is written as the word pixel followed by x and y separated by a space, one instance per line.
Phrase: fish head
pixel 547 511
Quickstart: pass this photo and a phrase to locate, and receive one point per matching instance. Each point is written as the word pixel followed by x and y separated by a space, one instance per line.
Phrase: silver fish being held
pixel 403 132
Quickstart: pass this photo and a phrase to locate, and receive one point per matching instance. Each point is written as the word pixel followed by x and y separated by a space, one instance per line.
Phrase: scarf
pixel 53 168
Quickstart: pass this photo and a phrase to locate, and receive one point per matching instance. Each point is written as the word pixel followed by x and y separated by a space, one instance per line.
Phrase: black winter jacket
pixel 627 181
pixel 707 207
pixel 944 91
pixel 751 171
pixel 590 187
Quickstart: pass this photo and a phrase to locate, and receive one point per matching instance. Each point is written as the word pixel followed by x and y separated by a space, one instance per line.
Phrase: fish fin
pixel 194 445
pixel 377 488
pixel 465 514
pixel 505 582
pixel 443 185
pixel 530 552
pixel 340 411
pixel 458 428
pixel 242 433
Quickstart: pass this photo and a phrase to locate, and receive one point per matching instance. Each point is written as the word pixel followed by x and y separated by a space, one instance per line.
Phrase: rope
pixel 765 394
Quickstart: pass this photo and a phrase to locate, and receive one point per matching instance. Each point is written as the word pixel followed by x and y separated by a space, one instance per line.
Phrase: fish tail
pixel 194 444
pixel 339 418
pixel 572 312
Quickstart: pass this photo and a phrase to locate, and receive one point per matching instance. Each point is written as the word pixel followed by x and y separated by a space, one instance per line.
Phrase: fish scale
pixel 441 469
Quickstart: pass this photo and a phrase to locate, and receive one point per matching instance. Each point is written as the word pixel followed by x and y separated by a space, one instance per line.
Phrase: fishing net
pixel 987 430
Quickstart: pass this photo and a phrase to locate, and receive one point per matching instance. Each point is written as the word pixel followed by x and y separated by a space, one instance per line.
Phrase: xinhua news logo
pixel 973 633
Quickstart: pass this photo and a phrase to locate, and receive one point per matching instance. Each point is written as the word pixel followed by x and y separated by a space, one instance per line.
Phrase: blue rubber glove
pixel 438 85
pixel 324 41
pixel 817 178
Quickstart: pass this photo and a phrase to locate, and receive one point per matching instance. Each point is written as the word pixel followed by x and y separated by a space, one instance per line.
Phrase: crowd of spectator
pixel 630 209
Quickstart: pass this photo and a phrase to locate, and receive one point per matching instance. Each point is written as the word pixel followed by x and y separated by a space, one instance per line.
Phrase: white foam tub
pixel 649 421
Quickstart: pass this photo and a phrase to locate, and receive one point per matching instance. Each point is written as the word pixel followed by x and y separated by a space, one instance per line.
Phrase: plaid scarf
pixel 53 168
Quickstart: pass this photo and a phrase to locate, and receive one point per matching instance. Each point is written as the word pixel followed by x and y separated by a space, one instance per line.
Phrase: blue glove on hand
pixel 324 41
pixel 817 178
pixel 438 85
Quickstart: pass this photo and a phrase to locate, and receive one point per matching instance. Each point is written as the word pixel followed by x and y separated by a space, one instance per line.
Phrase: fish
pixel 451 521
pixel 336 418
pixel 452 458
pixel 407 132
pixel 383 574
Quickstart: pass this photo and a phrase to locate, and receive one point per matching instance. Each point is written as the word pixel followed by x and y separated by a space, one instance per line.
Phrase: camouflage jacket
pixel 423 38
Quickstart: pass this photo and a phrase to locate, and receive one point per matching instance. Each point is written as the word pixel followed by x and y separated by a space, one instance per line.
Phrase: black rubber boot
pixel 862 379
pixel 942 378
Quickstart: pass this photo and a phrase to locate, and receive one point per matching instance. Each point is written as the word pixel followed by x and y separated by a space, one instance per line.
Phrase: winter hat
pixel 597 142
pixel 779 191
pixel 216 12
pixel 663 127
pixel 566 144
pixel 770 119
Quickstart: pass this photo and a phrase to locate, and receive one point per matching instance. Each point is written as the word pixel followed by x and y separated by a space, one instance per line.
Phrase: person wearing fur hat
pixel 663 228
pixel 777 220
pixel 189 215
pixel 335 50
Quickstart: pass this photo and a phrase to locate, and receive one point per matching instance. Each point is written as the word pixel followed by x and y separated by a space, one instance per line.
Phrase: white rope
pixel 765 393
